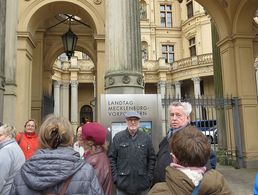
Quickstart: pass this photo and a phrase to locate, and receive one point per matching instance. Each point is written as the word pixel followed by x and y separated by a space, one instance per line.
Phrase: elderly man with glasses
pixel 132 158
pixel 179 117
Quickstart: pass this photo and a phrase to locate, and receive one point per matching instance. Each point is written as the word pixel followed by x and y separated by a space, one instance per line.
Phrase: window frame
pixel 168 22
pixel 167 53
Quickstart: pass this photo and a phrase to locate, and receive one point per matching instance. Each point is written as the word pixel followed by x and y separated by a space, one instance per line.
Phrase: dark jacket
pixel 164 158
pixel 132 161
pixel 177 183
pixel 47 170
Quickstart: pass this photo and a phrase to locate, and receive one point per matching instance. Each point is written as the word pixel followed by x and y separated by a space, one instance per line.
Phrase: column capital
pixel 65 84
pixel 196 79
pixel 57 84
pixel 74 83
pixel 178 83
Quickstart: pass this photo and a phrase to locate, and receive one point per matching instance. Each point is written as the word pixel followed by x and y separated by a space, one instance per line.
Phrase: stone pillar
pixel 162 89
pixel 197 94
pixel 74 103
pixel 10 61
pixel 256 74
pixel 123 48
pixel 2 54
pixel 170 88
pixel 65 99
pixel 178 89
pixel 57 98
pixel 237 64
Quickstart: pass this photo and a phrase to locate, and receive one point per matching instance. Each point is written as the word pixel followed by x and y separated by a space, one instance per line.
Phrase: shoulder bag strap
pixel 65 185
pixel 20 138
pixel 196 189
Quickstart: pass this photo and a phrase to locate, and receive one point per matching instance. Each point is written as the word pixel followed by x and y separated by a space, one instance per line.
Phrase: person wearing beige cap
pixel 132 158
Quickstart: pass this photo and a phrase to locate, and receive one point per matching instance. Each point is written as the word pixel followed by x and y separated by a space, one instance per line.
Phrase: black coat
pixel 132 161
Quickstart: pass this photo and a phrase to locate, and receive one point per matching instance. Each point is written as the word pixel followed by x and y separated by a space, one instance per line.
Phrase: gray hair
pixel 8 130
pixel 187 107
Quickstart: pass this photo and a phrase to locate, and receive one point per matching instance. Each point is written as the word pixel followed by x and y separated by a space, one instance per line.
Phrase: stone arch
pixel 218 14
pixel 33 13
pixel 243 21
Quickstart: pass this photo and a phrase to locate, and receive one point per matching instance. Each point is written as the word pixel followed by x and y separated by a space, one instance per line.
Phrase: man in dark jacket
pixel 179 117
pixel 132 158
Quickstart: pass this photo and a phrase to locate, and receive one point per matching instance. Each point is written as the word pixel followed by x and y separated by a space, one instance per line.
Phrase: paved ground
pixel 240 180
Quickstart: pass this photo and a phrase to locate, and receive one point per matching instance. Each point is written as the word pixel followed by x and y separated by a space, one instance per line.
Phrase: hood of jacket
pixel 49 167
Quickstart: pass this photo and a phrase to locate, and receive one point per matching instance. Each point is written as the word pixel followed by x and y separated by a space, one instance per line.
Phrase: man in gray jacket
pixel 132 158
pixel 11 158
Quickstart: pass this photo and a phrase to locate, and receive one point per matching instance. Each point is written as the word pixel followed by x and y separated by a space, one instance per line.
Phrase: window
pixel 166 15
pixel 192 47
pixel 168 53
pixel 189 5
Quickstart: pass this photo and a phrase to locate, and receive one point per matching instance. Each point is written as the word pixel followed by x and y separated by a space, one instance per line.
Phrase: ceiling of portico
pixel 232 16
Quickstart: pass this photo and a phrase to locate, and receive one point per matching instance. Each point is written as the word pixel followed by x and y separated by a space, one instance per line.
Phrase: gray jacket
pixel 11 160
pixel 48 169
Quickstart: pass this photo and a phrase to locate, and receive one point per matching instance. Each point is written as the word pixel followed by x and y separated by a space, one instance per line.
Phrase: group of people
pixel 51 162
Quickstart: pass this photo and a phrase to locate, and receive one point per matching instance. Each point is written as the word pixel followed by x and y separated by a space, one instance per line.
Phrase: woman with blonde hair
pixel 11 158
pixel 56 168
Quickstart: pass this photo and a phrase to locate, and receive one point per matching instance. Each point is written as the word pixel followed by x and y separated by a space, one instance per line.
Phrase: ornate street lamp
pixel 69 41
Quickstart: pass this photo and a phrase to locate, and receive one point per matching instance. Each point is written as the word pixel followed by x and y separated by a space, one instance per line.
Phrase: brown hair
pixel 190 147
pixel 55 131
pixel 31 119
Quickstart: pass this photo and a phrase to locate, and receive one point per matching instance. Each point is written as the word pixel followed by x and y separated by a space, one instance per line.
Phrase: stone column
pixel 10 61
pixel 74 103
pixel 2 54
pixel 123 48
pixel 178 89
pixel 256 74
pixel 197 94
pixel 170 88
pixel 65 99
pixel 57 98
pixel 162 88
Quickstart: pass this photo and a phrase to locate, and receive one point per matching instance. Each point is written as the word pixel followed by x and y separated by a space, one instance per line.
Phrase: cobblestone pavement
pixel 240 180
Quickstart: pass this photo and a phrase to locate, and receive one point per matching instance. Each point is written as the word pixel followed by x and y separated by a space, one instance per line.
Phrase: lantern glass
pixel 69 41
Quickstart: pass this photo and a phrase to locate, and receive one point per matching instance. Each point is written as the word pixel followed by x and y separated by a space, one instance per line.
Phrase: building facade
pixel 177 58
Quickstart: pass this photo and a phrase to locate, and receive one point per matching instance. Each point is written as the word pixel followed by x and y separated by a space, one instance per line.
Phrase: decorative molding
pixel 126 79
pixel 97 2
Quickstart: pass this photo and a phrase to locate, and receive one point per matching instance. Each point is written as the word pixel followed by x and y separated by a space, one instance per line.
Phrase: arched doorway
pixel 86 114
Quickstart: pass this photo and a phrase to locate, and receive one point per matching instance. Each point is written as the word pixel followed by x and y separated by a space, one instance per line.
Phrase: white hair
pixel 187 107
pixel 8 130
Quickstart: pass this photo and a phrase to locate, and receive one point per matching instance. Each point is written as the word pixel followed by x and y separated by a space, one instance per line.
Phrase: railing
pixel 193 61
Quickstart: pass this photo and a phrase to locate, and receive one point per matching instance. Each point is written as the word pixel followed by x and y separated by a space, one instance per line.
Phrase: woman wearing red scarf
pixel 28 140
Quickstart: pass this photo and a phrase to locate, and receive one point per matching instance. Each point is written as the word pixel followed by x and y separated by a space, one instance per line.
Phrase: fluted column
pixel 162 87
pixel 2 54
pixel 65 99
pixel 123 48
pixel 178 89
pixel 74 103
pixel 197 93
pixel 57 98
pixel 170 88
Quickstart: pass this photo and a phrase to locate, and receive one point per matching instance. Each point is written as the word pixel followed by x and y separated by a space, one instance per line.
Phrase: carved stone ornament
pixel 139 80
pixel 97 2
pixel 111 81
pixel 126 79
